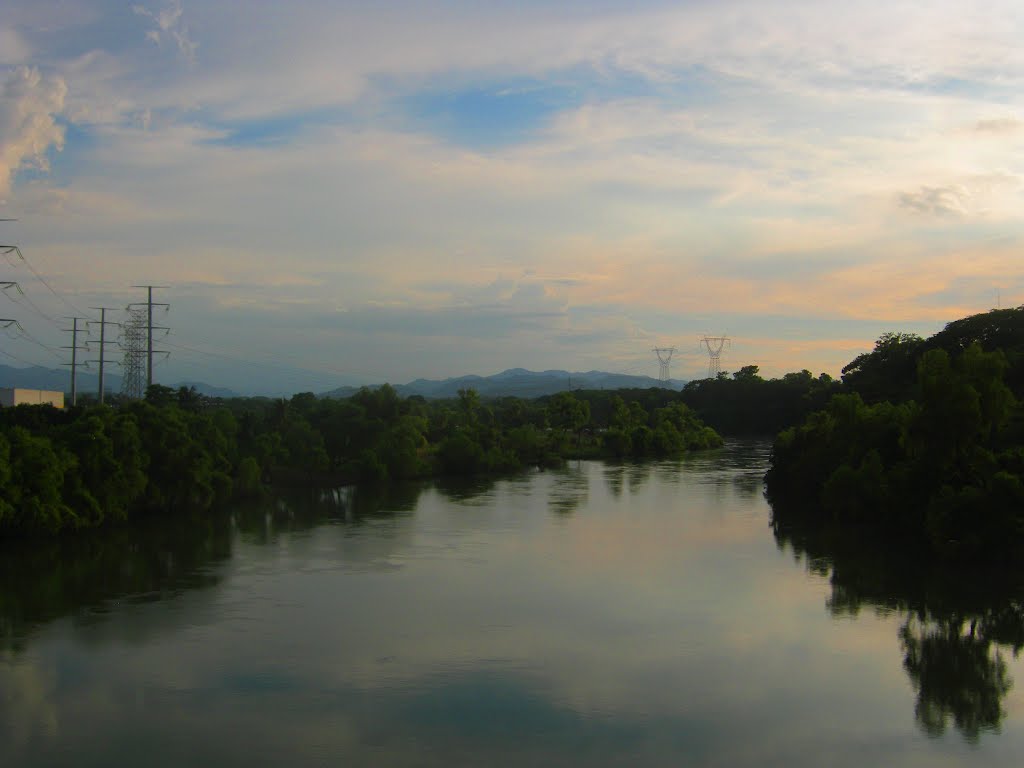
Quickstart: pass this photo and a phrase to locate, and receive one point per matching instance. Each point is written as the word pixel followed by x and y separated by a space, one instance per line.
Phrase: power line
pixel 23 334
pixel 5 353
pixel 150 327
pixel 74 357
pixel 103 323
pixel 5 284
pixel 320 367
pixel 9 249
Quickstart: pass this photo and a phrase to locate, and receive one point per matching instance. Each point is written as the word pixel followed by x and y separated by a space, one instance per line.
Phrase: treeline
pixel 745 404
pixel 176 450
pixel 926 444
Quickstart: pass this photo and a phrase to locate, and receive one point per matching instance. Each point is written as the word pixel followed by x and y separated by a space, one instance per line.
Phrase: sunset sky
pixel 342 192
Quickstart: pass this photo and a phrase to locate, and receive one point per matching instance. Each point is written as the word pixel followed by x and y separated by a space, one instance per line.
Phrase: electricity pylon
pixel 133 341
pixel 664 357
pixel 714 346
pixel 150 327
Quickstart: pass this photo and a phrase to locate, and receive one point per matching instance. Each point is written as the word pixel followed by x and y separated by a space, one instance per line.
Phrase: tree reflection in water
pixel 956 674
pixel 87 576
pixel 958 622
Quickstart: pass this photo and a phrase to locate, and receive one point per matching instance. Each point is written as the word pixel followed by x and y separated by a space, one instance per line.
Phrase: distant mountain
pixel 517 382
pixel 37 377
pixel 208 389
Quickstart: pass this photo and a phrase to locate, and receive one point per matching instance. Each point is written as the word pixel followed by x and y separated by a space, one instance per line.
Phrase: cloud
pixel 169 24
pixel 29 106
pixel 975 196
pixel 12 48
pixel 935 201
pixel 999 125
pixel 689 159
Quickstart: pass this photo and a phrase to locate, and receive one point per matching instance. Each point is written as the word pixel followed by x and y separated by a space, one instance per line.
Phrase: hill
pixel 38 377
pixel 517 382
pixel 56 380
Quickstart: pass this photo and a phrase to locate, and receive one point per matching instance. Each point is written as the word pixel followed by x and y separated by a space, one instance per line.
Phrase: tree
pixel 569 414
pixel 887 372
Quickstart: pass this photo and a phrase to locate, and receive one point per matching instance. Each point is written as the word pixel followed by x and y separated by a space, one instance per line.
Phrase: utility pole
pixel 150 327
pixel 74 357
pixel 103 323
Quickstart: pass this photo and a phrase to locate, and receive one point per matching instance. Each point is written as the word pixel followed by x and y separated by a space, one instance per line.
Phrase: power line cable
pixel 28 303
pixel 5 353
pixel 8 249
pixel 23 334
pixel 320 367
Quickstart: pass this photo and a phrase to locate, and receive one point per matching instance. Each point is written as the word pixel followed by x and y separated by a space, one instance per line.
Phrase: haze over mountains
pixel 517 382
pixel 39 377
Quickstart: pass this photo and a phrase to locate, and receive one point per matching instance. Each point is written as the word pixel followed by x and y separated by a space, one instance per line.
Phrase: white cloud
pixel 13 50
pixel 169 24
pixel 703 151
pixel 29 105
pixel 936 201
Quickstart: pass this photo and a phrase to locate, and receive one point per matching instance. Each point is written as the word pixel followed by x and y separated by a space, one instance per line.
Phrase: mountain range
pixel 38 377
pixel 516 382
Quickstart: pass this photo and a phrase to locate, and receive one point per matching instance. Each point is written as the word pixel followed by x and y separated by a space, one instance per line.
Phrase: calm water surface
pixel 595 615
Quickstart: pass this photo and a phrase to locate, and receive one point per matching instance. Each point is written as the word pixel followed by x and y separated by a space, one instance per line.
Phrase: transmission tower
pixel 714 346
pixel 133 341
pixel 150 327
pixel 664 357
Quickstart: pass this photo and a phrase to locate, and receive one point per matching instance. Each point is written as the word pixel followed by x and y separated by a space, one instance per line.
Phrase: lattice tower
pixel 134 341
pixel 664 357
pixel 714 346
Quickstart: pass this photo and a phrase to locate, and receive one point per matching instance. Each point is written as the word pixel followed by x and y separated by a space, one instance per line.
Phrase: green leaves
pixel 941 464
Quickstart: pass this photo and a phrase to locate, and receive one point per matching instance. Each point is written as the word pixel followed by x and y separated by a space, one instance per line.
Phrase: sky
pixel 339 193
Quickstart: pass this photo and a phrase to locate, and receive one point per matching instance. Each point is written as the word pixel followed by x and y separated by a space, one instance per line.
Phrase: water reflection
pixel 292 510
pixel 570 489
pixel 598 614
pixel 956 623
pixel 88 576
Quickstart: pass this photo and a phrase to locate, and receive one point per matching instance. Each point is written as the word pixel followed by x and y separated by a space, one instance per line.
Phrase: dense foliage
pixel 66 470
pixel 746 404
pixel 926 443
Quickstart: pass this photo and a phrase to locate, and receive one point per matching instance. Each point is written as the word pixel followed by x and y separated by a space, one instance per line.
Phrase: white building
pixel 12 397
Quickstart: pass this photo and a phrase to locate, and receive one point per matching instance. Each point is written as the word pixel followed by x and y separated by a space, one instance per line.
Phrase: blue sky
pixel 350 192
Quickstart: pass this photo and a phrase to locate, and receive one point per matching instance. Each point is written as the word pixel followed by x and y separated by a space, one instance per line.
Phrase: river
pixel 593 615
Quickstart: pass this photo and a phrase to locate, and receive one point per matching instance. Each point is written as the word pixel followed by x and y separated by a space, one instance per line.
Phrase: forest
pixel 65 470
pixel 921 437
pixel 924 445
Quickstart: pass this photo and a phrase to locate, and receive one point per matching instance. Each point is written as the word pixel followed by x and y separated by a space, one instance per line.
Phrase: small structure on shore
pixel 10 397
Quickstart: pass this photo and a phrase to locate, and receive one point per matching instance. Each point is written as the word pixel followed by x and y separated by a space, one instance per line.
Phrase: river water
pixel 594 615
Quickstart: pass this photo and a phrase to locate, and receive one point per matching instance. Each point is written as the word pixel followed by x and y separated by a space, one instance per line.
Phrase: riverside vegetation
pixel 178 451
pixel 925 446
pixel 921 438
